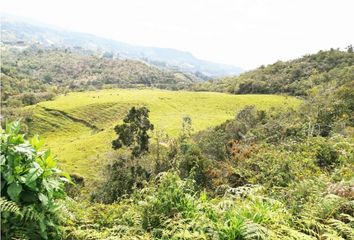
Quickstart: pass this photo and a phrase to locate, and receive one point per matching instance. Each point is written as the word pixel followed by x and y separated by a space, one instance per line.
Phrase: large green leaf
pixel 43 198
pixel 36 142
pixel 14 191
pixel 49 160
pixel 9 177
pixel 25 149
pixel 33 173
pixel 13 127
pixel 51 184
pixel 2 160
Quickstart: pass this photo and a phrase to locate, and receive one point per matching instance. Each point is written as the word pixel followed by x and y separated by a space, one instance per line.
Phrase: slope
pixel 325 69
pixel 78 127
pixel 44 72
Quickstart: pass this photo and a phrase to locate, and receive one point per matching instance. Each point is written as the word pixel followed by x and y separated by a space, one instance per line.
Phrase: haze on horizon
pixel 243 33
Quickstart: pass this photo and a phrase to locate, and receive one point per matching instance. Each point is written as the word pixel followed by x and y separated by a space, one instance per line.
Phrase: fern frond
pixel 9 206
pixel 19 233
pixel 342 228
pixel 331 235
pixel 285 232
pixel 28 214
pixel 254 231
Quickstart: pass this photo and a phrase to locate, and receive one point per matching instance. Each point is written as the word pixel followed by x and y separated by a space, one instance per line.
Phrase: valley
pixel 78 127
pixel 106 140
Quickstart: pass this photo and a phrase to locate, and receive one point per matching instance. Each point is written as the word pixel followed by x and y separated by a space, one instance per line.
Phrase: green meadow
pixel 78 127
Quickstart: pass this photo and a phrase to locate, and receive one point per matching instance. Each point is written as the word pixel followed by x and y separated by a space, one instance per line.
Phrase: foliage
pixel 171 208
pixel 124 175
pixel 262 173
pixel 122 178
pixel 133 133
pixel 30 185
pixel 39 73
pixel 78 127
pixel 296 77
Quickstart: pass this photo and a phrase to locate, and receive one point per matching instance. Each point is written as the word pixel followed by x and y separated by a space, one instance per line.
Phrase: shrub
pixel 326 155
pixel 123 178
pixel 171 197
pixel 31 184
pixel 73 189
pixel 213 144
pixel 192 163
pixel 29 99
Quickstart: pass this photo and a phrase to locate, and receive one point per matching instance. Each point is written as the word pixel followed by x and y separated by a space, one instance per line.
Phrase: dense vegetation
pixel 296 77
pixel 79 127
pixel 36 73
pixel 30 188
pixel 265 173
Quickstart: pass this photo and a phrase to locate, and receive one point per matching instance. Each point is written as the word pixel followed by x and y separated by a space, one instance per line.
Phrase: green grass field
pixel 78 127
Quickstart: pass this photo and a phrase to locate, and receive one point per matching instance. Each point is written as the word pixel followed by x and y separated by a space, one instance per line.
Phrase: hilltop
pixel 325 69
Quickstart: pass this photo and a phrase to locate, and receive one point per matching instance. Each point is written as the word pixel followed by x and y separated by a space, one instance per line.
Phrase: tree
pixel 124 175
pixel 29 99
pixel 133 133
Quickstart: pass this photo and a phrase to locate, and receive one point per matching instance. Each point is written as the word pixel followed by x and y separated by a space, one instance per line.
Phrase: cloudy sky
pixel 245 33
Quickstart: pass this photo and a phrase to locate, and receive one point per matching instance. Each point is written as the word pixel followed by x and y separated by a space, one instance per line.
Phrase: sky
pixel 243 33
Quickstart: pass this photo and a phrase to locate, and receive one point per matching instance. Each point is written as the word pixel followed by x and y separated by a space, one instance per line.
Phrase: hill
pixel 78 127
pixel 17 31
pixel 37 73
pixel 241 167
pixel 325 69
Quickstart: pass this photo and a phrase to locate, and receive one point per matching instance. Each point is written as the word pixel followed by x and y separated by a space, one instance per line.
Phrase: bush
pixel 29 99
pixel 172 196
pixel 213 144
pixel 326 155
pixel 192 164
pixel 73 189
pixel 31 184
pixel 123 178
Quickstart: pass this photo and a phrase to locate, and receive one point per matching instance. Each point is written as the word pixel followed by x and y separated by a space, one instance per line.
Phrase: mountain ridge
pixel 15 30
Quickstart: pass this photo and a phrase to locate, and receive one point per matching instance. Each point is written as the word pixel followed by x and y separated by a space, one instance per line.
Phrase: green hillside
pixel 35 73
pixel 325 69
pixel 78 127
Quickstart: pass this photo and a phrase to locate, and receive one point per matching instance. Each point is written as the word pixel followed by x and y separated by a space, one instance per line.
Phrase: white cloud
pixel 244 33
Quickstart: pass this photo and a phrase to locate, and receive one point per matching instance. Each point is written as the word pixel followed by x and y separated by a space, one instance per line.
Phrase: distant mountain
pixel 15 30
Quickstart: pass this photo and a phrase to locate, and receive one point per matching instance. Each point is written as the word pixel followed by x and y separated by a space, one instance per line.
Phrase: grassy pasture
pixel 78 127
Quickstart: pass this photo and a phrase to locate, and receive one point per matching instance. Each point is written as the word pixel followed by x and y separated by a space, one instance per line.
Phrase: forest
pixel 283 171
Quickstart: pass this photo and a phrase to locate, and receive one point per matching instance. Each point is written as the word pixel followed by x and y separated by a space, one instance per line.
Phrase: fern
pixel 253 230
pixel 341 228
pixel 9 206
pixel 288 233
pixel 28 214
pixel 19 233
pixel 331 235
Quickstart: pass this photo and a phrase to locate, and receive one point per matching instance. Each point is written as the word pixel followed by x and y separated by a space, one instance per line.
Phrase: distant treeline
pixel 36 74
pixel 296 77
